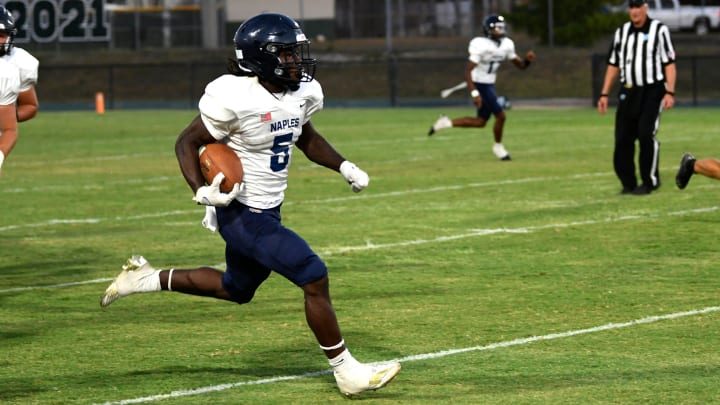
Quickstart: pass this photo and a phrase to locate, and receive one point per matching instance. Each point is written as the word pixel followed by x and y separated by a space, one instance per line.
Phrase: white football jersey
pixel 488 55
pixel 262 128
pixel 26 64
pixel 9 82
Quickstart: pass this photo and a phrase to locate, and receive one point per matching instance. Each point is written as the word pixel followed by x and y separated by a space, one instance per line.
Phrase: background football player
pixel 486 55
pixel 9 87
pixel 27 101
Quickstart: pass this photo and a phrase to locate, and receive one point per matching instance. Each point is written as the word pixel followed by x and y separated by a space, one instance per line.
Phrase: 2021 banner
pixel 60 20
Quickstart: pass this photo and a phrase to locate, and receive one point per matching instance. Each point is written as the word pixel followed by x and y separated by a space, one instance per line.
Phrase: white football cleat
pixel 137 276
pixel 365 377
pixel 442 123
pixel 500 152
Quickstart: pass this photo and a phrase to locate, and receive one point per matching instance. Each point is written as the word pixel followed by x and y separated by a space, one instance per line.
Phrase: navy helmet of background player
pixel 261 111
pixel 7 26
pixel 494 26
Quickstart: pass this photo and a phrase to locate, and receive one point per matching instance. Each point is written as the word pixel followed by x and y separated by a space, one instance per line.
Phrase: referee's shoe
pixel 685 171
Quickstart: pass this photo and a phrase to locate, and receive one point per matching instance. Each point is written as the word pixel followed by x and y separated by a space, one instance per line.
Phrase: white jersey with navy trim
pixel 262 128
pixel 9 82
pixel 488 54
pixel 26 64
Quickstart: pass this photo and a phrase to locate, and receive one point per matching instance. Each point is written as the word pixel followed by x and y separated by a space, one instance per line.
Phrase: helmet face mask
pixel 494 26
pixel 274 48
pixel 294 64
pixel 7 26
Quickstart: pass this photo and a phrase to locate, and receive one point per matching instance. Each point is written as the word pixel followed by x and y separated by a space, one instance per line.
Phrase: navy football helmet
pixel 7 25
pixel 494 26
pixel 261 40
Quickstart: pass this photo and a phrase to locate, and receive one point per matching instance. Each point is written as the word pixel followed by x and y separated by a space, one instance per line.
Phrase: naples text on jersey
pixel 283 125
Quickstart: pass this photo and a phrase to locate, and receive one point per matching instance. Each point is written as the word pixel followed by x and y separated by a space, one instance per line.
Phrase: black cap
pixel 637 3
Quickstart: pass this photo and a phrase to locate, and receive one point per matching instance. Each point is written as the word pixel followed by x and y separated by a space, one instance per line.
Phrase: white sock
pixel 150 283
pixel 443 123
pixel 169 283
pixel 343 361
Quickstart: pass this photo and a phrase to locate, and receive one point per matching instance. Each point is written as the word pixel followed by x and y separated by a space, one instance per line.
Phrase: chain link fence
pixel 395 81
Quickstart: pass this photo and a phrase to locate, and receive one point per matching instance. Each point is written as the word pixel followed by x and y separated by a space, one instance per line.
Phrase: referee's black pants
pixel 638 118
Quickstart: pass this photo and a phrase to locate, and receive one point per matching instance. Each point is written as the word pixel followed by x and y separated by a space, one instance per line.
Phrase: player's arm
pixel 670 78
pixel 186 150
pixel 524 63
pixel 8 129
pixel 319 150
pixel 469 66
pixel 611 74
pixel 474 93
pixel 27 105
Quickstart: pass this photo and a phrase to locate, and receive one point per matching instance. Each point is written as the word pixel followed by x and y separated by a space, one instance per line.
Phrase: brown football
pixel 219 158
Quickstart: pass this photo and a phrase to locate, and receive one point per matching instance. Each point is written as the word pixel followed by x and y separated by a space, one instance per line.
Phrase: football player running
pixel 261 111
pixel 486 55
pixel 27 101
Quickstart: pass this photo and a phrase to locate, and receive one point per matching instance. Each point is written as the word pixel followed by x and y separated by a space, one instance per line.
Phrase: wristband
pixel 527 62
pixel 604 95
pixel 2 158
pixel 672 93
pixel 475 93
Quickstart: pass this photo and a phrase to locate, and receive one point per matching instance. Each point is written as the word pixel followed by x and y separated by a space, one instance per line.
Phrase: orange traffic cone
pixel 100 102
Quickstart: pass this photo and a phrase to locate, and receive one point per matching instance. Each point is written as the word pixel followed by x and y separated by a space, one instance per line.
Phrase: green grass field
pixel 520 282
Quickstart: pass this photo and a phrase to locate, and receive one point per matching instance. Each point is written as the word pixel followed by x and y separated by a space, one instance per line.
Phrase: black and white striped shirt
pixel 641 54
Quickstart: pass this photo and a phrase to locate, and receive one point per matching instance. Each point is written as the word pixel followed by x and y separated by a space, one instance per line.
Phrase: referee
pixel 642 55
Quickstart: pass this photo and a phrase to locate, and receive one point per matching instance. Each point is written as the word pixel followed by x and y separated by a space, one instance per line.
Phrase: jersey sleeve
pixel 667 51
pixel 217 117
pixel 315 99
pixel 28 67
pixel 511 53
pixel 474 50
pixel 614 51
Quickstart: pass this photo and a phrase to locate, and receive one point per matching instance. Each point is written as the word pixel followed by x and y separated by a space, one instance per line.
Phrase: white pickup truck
pixel 699 16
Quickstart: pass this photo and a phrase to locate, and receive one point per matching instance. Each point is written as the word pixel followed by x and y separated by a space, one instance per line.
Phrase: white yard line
pixel 425 356
pixel 439 239
pixel 71 284
pixel 53 222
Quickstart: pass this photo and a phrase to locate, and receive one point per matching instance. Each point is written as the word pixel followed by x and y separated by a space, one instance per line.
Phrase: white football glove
pixel 211 195
pixel 357 178
pixel 2 159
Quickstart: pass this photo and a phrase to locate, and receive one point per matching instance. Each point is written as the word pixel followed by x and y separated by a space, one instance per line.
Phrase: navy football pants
pixel 257 243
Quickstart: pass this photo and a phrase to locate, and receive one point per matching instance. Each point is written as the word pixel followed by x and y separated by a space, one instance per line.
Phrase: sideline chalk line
pixel 426 356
